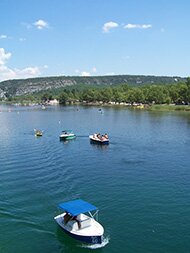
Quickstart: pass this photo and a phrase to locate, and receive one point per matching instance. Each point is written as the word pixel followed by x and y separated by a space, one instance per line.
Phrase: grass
pixel 172 107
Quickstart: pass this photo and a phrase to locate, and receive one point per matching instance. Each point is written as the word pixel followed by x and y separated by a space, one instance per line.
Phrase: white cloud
pixel 4 56
pixel 27 72
pixel 109 25
pixel 84 73
pixel 127 57
pixel 41 24
pixel 94 70
pixel 132 26
pixel 7 73
pixel 3 36
pixel 22 39
pixel 27 25
pixel 77 71
pixel 110 74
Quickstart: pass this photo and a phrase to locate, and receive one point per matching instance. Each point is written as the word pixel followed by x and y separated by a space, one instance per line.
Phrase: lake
pixel 139 182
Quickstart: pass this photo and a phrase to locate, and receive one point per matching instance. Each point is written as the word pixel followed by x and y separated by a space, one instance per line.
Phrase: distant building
pixel 53 102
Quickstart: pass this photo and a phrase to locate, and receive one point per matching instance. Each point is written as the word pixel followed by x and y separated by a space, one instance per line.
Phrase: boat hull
pixel 38 134
pixel 90 231
pixel 85 239
pixel 67 137
pixel 97 141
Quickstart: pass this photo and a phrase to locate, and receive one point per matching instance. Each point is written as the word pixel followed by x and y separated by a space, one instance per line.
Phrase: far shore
pixel 140 106
pixel 136 106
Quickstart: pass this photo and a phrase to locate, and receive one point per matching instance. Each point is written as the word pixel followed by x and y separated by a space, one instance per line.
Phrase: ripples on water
pixel 140 181
pixel 97 246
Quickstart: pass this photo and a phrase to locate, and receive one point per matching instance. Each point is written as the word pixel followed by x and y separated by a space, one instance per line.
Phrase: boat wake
pixel 97 246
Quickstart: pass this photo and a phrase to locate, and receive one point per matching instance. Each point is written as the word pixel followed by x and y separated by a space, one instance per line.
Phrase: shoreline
pixel 135 106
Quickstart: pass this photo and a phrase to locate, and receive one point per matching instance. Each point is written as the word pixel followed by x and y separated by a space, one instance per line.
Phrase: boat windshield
pixel 66 131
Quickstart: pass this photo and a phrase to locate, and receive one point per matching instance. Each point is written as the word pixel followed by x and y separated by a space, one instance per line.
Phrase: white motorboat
pixel 78 220
pixel 67 135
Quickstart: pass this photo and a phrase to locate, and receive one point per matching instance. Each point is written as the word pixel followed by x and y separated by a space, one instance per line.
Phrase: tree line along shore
pixel 152 97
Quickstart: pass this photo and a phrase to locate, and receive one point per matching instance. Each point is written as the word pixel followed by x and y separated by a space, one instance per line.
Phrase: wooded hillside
pixel 19 87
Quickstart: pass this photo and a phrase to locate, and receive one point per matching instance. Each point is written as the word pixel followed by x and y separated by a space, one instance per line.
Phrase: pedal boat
pixel 78 220
pixel 98 140
pixel 38 133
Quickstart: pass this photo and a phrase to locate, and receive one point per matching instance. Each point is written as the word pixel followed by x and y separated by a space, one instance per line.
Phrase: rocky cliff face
pixel 31 87
pixel 2 94
pixel 28 86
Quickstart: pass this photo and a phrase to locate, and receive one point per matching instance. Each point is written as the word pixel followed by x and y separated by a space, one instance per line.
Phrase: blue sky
pixel 94 37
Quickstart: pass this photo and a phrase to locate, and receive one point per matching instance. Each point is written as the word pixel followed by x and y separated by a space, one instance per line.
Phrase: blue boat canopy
pixel 78 206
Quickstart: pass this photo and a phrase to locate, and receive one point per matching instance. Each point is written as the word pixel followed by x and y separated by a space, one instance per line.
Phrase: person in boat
pixel 78 221
pixel 106 136
pixel 68 217
pixel 99 136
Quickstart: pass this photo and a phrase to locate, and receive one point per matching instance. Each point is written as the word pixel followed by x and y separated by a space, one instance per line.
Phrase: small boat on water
pixel 38 133
pixel 78 220
pixel 67 135
pixel 99 139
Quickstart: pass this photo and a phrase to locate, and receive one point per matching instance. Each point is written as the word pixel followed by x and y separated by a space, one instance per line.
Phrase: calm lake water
pixel 140 182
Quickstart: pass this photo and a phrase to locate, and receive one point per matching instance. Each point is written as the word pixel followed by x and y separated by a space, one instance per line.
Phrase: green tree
pixel 183 93
pixel 188 89
pixel 46 96
pixel 117 95
pixel 137 95
pixel 88 95
pixel 63 98
pixel 173 93
pixel 107 94
pixel 157 94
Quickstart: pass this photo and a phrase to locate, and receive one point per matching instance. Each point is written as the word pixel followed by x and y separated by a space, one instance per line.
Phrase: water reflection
pixel 99 146
pixel 67 242
pixel 66 141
